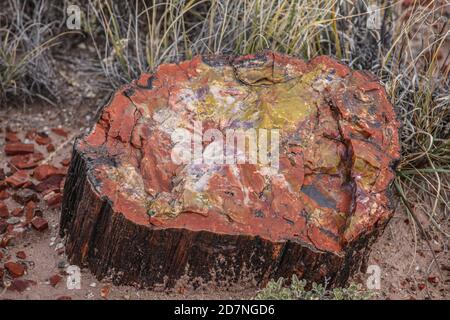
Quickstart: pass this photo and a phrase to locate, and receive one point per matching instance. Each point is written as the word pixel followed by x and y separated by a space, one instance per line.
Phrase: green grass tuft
pixel 297 290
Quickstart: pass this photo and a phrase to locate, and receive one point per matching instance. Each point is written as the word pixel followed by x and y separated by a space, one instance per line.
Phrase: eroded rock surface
pixel 132 213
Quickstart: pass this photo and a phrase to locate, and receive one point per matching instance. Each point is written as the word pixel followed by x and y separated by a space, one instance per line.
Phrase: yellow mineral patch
pixel 270 105
pixel 283 105
pixel 324 158
pixel 365 173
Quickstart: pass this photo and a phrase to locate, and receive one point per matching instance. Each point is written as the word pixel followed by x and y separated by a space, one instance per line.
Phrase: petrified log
pixel 134 213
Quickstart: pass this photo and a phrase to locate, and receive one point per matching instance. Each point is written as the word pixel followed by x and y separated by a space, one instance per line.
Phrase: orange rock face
pixel 311 214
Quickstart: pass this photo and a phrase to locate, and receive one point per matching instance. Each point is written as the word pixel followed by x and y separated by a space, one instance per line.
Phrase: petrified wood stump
pixel 133 213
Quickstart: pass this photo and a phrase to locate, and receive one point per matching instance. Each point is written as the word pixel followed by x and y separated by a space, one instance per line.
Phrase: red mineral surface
pixel 139 212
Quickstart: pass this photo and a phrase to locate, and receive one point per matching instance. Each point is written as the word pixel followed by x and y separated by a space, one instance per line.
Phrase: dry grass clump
pixel 416 70
pixel 27 32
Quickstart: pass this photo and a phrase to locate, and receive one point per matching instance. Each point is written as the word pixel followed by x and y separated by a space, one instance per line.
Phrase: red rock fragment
pixel 64 298
pixel 45 171
pixel 30 211
pixel 27 161
pixel 15 269
pixel 39 223
pixel 18 179
pixel 11 137
pixel 53 199
pixel 19 285
pixel 4 195
pixel 4 212
pixel 17 212
pixel 21 255
pixel 50 184
pixel 25 195
pixel 54 280
pixel 15 148
pixel 42 139
pixel 104 291
pixel 60 132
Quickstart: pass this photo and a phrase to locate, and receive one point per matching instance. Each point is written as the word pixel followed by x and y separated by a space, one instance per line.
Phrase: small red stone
pixel 421 286
pixel 29 211
pixel 53 199
pixel 17 212
pixel 4 212
pixel 64 298
pixel 50 184
pixel 45 171
pixel 19 285
pixel 24 196
pixel 27 161
pixel 11 137
pixel 21 255
pixel 21 163
pixel 15 269
pixel 43 139
pixel 39 223
pixel 54 280
pixel 18 179
pixel 60 132
pixel 4 195
pixel 104 291
pixel 14 148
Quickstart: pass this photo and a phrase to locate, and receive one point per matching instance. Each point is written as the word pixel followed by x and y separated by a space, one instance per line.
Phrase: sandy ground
pixel 408 269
